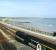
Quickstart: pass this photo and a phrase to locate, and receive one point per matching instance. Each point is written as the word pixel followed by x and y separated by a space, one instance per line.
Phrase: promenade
pixel 10 33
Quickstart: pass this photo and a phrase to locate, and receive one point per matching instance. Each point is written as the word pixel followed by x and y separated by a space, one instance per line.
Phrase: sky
pixel 28 8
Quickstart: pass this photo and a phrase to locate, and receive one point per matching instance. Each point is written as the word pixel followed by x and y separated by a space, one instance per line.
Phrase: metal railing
pixel 29 26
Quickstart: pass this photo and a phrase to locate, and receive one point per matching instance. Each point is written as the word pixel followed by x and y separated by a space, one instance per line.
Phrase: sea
pixel 43 24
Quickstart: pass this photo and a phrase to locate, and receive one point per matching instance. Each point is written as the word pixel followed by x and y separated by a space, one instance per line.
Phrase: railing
pixel 29 26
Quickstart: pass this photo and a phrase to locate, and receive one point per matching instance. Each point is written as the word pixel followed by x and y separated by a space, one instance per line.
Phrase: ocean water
pixel 44 24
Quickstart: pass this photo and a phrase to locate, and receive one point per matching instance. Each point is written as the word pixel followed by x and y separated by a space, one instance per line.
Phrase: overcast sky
pixel 28 8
